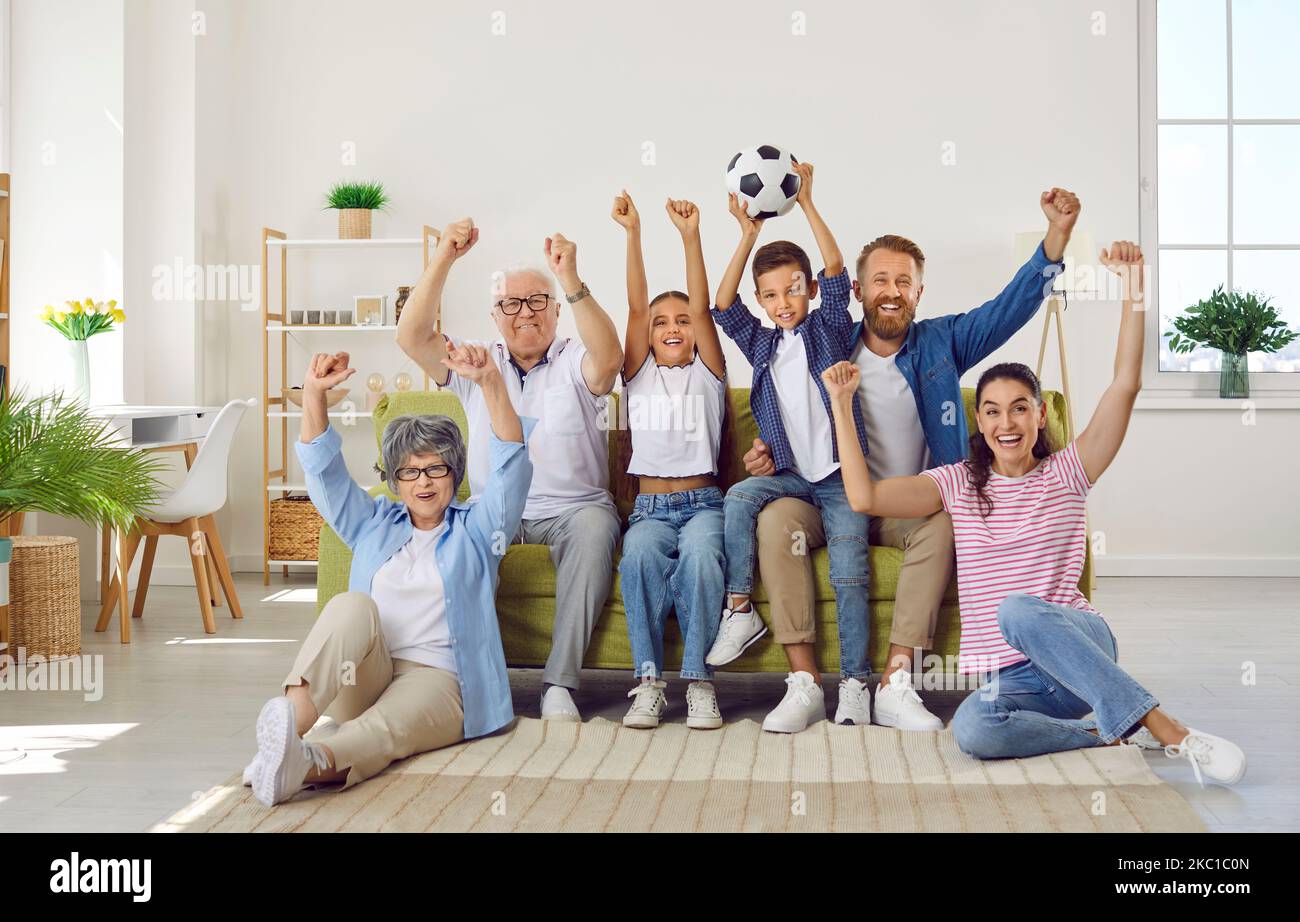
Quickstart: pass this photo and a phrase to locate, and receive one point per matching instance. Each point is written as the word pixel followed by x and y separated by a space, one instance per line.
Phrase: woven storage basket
pixel 295 529
pixel 45 596
pixel 354 223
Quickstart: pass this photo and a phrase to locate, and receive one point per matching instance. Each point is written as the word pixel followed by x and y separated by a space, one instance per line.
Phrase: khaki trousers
pixel 785 566
pixel 379 709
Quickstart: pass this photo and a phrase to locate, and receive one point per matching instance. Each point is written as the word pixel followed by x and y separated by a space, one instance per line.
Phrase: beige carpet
pixel 553 777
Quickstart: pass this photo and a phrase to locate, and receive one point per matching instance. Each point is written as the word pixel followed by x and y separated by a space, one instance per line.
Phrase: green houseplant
pixel 1236 323
pixel 356 201
pixel 55 457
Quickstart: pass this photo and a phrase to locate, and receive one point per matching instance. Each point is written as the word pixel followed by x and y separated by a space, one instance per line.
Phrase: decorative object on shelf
pixel 403 292
pixel 345 318
pixel 295 529
pixel 374 391
pixel 356 202
pixel 333 396
pixel 296 317
pixel 370 309
pixel 313 317
pixel 1236 323
pixel 56 458
pixel 79 321
pixel 402 381
pixel 45 597
pixel 329 318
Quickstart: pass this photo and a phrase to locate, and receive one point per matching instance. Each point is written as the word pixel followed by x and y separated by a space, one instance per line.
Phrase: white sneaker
pixel 899 706
pixel 557 704
pixel 802 705
pixel 738 630
pixel 1143 739
pixel 283 758
pixel 648 705
pixel 250 770
pixel 702 707
pixel 855 704
pixel 1211 756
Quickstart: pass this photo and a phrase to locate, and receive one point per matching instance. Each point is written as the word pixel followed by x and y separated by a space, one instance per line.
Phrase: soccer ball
pixel 764 180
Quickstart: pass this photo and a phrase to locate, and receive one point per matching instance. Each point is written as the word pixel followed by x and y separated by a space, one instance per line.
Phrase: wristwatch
pixel 581 293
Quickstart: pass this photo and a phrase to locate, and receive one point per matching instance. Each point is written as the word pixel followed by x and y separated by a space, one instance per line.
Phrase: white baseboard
pixel 1113 565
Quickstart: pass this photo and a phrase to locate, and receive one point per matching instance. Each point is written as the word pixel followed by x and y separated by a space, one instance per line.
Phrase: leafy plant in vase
pixel 77 322
pixel 1236 323
pixel 356 202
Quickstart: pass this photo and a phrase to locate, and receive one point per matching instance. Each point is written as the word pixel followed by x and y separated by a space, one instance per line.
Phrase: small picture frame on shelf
pixel 371 310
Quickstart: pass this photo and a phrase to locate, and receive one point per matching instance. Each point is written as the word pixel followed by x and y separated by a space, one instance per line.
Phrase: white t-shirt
pixel 570 446
pixel 675 417
pixel 894 433
pixel 808 426
pixel 408 590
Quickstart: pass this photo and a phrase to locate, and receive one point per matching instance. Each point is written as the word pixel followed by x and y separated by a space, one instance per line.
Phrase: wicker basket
pixel 45 596
pixel 295 529
pixel 354 223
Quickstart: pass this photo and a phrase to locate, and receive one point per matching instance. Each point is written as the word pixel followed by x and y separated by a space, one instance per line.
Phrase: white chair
pixel 187 512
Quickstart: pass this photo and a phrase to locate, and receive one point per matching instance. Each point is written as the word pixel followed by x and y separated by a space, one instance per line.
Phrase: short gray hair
pixel 424 434
pixel 542 275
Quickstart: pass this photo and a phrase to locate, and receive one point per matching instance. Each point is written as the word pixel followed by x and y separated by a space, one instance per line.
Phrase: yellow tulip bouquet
pixel 81 320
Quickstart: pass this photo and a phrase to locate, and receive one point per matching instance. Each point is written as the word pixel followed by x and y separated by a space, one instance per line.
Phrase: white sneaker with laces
pixel 855 703
pixel 802 705
pixel 1211 756
pixel 557 704
pixel 283 758
pixel 702 707
pixel 899 706
pixel 648 705
pixel 1143 739
pixel 250 770
pixel 738 630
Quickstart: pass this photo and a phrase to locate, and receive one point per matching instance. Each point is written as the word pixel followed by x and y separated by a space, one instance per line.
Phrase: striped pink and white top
pixel 1034 541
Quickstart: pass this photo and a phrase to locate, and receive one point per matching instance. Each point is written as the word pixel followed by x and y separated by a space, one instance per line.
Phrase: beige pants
pixel 379 709
pixel 787 576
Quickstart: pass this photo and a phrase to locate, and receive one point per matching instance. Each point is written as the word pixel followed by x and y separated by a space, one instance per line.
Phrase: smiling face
pixel 889 289
pixel 426 498
pixel 672 336
pixel 784 293
pixel 529 333
pixel 1009 418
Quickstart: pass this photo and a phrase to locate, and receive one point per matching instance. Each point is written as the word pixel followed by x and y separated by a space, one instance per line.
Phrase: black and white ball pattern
pixel 764 180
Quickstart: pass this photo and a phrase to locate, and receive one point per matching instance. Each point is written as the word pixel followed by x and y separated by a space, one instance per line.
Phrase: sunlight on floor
pixel 190 641
pixel 42 744
pixel 302 594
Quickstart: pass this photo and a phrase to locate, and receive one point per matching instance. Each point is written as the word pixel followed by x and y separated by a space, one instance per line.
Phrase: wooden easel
pixel 1054 309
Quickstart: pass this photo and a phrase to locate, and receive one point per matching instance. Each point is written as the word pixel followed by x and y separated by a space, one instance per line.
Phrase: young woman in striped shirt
pixel 1017 509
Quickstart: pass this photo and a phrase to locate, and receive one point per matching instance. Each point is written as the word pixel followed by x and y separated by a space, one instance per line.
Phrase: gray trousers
pixel 582 542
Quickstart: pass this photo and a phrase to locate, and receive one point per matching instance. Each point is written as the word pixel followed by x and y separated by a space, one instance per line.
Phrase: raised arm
pixel 636 340
pixel 832 258
pixel 323 372
pixel 473 363
pixel 417 329
pixel 604 358
pixel 893 497
pixel 729 287
pixel 1099 442
pixel 686 218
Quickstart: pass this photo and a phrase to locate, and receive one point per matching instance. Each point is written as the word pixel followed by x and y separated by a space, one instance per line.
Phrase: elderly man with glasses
pixel 564 383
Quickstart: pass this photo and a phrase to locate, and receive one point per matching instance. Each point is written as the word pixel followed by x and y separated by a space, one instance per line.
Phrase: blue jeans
pixel 672 559
pixel 1038 706
pixel 846 544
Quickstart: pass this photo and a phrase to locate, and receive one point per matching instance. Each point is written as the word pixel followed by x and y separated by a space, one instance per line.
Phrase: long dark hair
pixel 980 461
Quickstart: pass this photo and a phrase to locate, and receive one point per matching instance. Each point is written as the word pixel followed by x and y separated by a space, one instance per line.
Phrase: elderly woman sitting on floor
pixel 410 658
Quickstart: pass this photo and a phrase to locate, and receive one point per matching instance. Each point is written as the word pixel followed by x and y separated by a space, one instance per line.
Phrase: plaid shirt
pixel 828 333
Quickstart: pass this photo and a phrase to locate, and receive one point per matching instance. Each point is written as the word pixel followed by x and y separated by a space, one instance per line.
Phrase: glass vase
pixel 1234 378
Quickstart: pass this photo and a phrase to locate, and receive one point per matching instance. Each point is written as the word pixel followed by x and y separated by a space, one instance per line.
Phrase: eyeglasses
pixel 433 472
pixel 536 304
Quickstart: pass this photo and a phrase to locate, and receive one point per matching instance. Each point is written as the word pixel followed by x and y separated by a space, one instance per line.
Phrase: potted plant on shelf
pixel 55 457
pixel 77 322
pixel 356 201
pixel 1236 323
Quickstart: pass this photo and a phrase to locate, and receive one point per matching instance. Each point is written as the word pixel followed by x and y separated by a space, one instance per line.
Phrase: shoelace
pixel 644 695
pixel 798 688
pixel 731 626
pixel 699 698
pixel 1194 749
pixel 901 682
pixel 315 757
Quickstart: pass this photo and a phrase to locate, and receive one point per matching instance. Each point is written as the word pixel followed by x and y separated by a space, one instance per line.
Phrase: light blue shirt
pixel 469 554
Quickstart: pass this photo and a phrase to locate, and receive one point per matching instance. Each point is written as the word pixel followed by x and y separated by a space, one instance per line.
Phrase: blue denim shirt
pixel 468 553
pixel 939 350
pixel 828 333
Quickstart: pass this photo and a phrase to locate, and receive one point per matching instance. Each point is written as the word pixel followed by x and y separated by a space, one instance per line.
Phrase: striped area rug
pixel 599 776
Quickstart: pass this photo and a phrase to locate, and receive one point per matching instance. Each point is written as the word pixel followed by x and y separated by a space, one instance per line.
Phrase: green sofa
pixel 526 596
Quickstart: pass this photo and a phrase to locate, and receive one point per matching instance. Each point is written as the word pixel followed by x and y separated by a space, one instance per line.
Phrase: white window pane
pixel 1185 277
pixel 1265 66
pixel 1192 163
pixel 1275 273
pixel 1266 184
pixel 1191 59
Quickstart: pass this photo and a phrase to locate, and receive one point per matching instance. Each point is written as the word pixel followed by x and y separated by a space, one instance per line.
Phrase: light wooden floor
pixel 178 706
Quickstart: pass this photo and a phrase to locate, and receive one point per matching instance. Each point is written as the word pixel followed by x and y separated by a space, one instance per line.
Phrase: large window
pixel 1221 166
